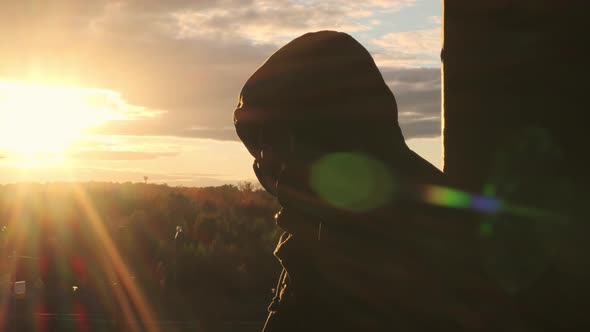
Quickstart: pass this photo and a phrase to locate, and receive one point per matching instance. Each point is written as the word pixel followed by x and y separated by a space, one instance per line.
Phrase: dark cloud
pixel 430 76
pixel 425 128
pixel 418 95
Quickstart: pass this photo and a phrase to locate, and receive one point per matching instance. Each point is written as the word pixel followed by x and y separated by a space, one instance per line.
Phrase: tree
pixel 246 186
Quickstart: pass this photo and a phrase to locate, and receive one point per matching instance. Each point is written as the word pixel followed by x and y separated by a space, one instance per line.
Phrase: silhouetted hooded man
pixel 322 126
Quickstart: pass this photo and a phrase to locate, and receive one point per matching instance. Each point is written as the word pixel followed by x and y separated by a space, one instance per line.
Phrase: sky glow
pixel 115 91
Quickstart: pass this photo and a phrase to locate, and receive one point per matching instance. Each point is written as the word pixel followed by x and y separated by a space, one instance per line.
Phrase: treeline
pixel 197 252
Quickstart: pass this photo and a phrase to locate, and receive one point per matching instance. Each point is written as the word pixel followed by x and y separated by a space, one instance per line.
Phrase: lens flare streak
pixel 458 199
pixel 453 198
pixel 121 273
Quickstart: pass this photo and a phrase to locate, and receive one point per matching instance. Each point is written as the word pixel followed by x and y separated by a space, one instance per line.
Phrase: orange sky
pixel 118 90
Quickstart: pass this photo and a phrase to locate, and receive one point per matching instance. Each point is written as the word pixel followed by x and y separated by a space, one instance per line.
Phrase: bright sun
pixel 38 119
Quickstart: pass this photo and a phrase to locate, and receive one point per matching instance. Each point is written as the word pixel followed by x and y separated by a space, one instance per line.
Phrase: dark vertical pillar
pixel 509 65
pixel 516 117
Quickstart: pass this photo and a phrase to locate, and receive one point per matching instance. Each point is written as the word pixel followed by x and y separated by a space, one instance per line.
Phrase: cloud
pixel 417 92
pixel 435 19
pixel 409 48
pixel 90 105
pixel 426 41
pixel 189 59
pixel 117 155
pixel 276 22
pixel 418 95
pixel 423 128
pixel 9 174
pixel 163 127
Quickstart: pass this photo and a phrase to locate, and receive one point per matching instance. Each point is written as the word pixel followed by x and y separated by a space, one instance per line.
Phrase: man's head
pixel 320 93
pixel 322 85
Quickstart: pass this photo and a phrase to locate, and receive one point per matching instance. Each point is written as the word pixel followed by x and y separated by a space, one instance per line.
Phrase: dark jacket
pixel 361 250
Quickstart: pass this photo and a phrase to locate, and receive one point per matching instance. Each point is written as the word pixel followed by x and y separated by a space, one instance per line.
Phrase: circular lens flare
pixel 352 181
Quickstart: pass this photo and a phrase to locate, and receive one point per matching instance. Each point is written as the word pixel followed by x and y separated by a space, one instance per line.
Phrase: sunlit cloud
pixel 436 19
pixel 164 159
pixel 277 22
pixel 166 75
pixel 50 174
pixel 418 48
pixel 188 58
pixel 425 41
pixel 45 119
pixel 117 155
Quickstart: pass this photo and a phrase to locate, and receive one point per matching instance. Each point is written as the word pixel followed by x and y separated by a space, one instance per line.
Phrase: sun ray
pixel 112 257
pixel 16 233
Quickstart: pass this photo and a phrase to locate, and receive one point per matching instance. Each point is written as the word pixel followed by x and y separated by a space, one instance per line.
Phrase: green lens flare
pixel 448 197
pixel 352 181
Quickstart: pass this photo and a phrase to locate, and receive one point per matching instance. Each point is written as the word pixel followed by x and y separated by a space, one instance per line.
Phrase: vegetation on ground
pixel 192 252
